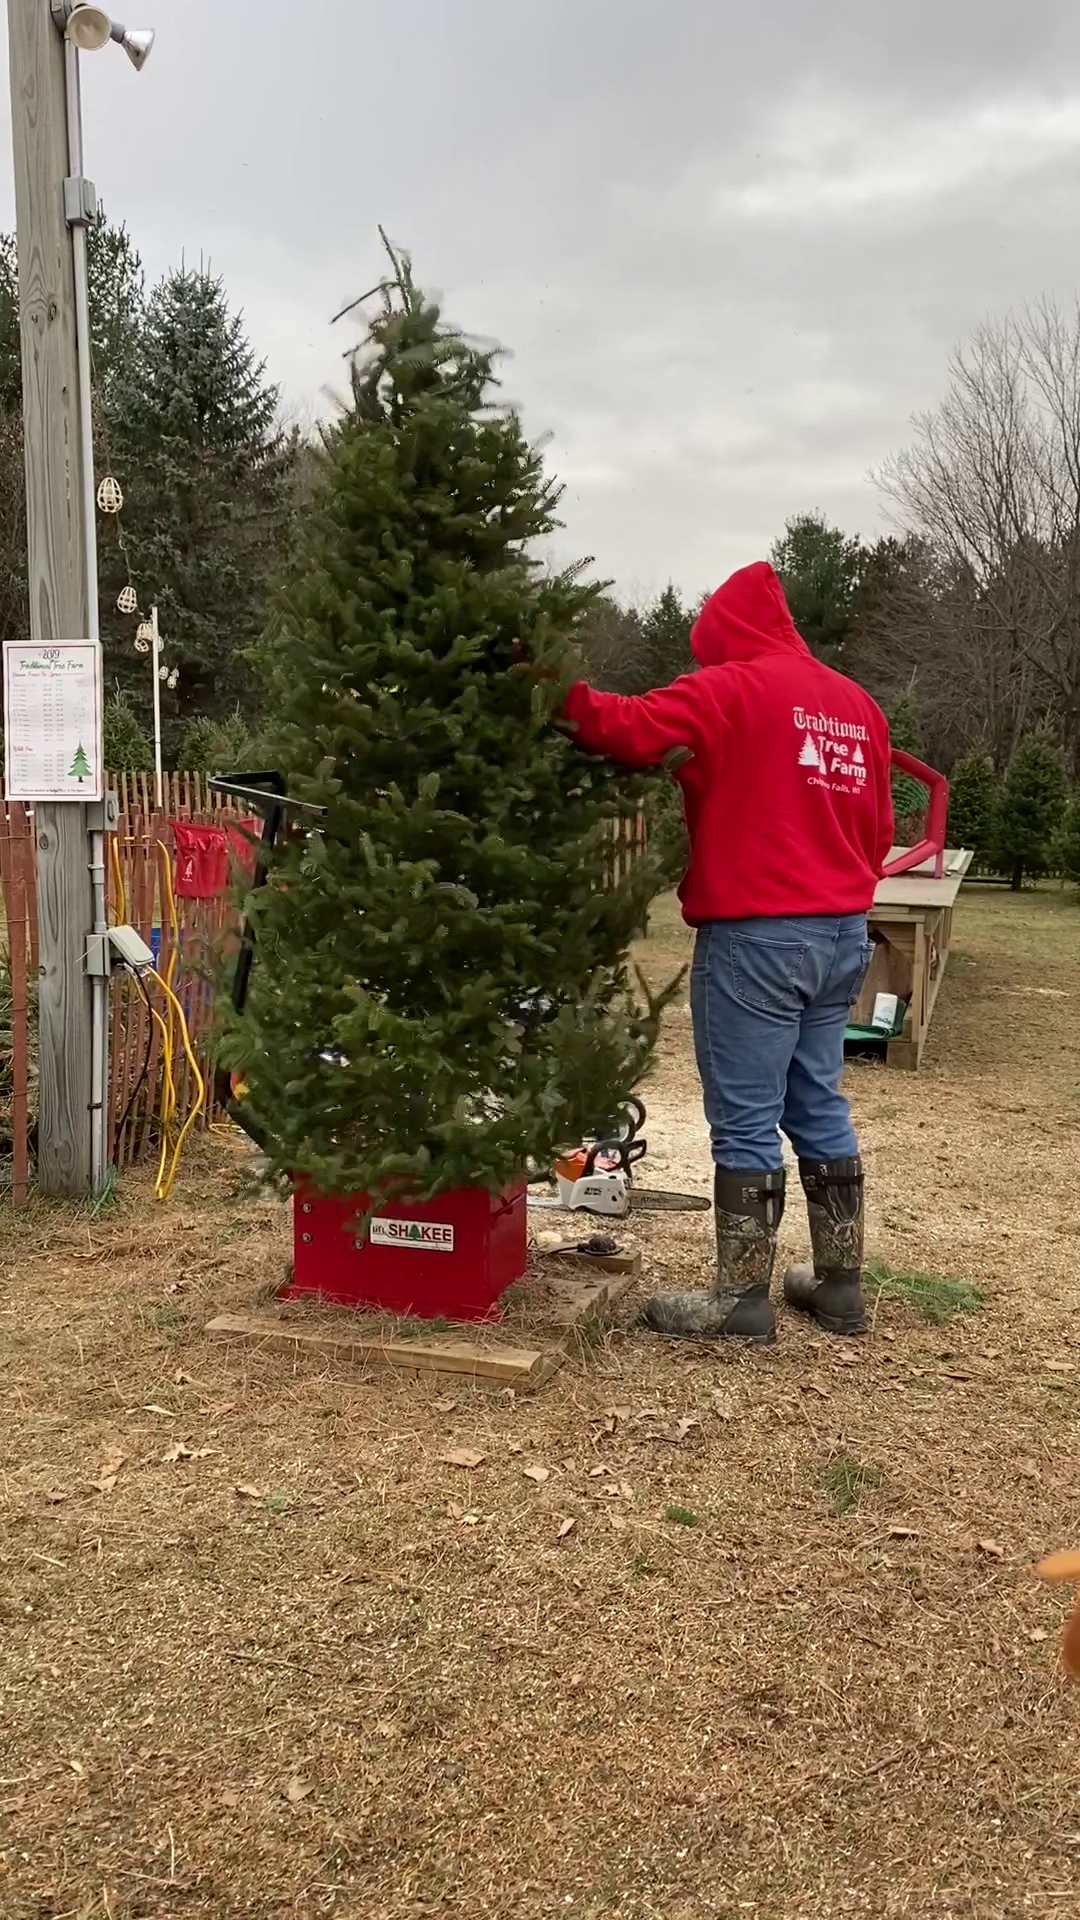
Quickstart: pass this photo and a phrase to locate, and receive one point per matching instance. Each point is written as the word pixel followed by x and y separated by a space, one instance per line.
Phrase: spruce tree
pixel 218 746
pixel 1030 810
pixel 665 635
pixel 909 796
pixel 441 992
pixel 1069 839
pixel 973 795
pixel 127 743
pixel 205 470
pixel 115 276
pixel 820 569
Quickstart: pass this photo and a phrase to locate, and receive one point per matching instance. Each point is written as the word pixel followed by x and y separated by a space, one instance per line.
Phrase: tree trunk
pixel 1018 877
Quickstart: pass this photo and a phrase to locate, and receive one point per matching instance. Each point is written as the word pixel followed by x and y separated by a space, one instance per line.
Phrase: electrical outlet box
pixel 129 949
pixel 103 816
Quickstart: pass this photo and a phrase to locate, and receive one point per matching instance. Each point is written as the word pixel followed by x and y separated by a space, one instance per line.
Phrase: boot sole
pixel 847 1329
pixel 744 1339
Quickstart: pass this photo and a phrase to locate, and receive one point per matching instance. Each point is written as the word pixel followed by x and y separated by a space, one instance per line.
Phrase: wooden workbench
pixel 911 927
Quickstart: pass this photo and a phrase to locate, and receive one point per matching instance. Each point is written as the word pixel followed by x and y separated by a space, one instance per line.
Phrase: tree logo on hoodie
pixel 811 755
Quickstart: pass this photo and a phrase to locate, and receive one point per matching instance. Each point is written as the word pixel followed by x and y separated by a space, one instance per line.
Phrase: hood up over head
pixel 745 618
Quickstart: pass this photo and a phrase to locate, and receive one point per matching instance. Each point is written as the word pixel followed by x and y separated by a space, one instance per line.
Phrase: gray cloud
pixel 730 250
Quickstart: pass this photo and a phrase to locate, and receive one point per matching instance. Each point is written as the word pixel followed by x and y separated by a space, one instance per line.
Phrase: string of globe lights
pixel 110 500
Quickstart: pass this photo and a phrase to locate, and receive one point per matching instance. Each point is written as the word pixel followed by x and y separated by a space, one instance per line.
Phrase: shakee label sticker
pixel 414 1236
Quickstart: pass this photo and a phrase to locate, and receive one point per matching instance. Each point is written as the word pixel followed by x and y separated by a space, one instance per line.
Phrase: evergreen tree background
pixel 973 801
pixel 665 636
pixel 820 569
pixel 442 993
pixel 1069 839
pixel 218 746
pixel 910 797
pixel 632 649
pixel 612 647
pixel 205 469
pixel 1030 811
pixel 115 276
pixel 127 743
pixel 186 418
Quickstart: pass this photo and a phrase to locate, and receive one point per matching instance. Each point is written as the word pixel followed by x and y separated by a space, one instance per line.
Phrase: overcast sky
pixel 729 245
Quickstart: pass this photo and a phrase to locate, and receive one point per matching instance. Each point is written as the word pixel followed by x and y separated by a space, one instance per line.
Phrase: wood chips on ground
pixel 282 1640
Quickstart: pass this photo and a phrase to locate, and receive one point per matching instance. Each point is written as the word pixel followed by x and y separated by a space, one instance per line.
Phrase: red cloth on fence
pixel 202 861
pixel 240 834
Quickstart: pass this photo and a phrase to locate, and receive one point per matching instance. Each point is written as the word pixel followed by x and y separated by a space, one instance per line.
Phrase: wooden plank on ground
pixel 521 1367
pixel 576 1303
pixel 584 1299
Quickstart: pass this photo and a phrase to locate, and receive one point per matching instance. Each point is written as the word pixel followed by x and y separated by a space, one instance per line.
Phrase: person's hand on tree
pixel 572 666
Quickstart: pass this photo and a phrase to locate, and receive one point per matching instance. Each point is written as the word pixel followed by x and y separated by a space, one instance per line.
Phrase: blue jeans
pixel 770 1001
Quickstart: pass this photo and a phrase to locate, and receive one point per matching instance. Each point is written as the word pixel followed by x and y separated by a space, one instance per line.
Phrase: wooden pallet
pixel 579 1297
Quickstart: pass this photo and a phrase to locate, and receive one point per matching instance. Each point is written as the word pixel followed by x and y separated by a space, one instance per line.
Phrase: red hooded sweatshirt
pixel 787 793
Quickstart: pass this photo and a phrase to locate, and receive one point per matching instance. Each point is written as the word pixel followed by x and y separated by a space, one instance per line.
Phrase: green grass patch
pixel 937 1300
pixel 682 1517
pixel 846 1480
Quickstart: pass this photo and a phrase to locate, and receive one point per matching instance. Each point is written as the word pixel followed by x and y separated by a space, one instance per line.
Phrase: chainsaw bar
pixel 656 1200
pixel 647 1199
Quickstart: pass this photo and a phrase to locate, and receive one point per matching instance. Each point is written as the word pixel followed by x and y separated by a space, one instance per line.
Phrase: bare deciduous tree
pixel 991 484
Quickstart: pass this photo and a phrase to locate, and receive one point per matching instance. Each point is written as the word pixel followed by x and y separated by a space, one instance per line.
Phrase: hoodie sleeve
pixel 639 730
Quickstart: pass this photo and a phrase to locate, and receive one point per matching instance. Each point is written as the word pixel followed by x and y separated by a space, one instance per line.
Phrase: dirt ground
pixel 265 1653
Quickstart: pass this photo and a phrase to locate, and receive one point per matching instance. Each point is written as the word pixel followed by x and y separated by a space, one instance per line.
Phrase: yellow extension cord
pixel 167 1168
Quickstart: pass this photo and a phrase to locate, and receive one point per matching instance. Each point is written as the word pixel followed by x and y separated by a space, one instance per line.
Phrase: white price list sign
pixel 52 720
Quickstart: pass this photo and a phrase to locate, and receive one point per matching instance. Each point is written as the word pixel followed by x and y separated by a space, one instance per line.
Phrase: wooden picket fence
pixel 188 935
pixel 629 838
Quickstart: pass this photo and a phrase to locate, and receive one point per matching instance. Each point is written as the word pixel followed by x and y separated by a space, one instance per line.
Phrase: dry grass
pixel 375 1686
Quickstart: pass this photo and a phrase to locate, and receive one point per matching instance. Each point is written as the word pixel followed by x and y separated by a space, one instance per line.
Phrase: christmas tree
pixel 441 993
pixel 973 794
pixel 1030 810
pixel 80 767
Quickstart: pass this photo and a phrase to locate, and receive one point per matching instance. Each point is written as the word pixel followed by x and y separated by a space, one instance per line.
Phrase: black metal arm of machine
pixel 265 794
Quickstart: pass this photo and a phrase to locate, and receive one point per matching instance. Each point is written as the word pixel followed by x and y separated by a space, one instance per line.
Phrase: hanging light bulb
pixel 110 498
pixel 127 600
pixel 173 678
pixel 145 633
pixel 141 645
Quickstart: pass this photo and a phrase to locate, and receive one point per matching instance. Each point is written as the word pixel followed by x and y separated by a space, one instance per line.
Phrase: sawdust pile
pixel 685 1637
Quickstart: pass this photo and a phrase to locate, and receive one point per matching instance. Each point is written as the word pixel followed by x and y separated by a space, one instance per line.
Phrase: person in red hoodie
pixel 784 770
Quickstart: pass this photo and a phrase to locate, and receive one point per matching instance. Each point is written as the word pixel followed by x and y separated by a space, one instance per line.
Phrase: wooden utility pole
pixel 56 536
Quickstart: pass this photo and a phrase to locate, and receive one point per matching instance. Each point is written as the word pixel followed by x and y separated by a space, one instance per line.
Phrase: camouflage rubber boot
pixel 749 1209
pixel 831 1290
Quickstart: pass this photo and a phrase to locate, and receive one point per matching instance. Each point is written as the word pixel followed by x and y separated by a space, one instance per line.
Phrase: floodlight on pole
pixel 136 42
pixel 89 28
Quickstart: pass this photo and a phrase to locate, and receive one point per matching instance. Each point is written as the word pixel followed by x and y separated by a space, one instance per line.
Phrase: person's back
pixel 784 768
pixel 786 792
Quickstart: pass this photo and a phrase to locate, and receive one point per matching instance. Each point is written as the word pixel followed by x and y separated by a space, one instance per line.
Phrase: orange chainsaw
pixel 598 1177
